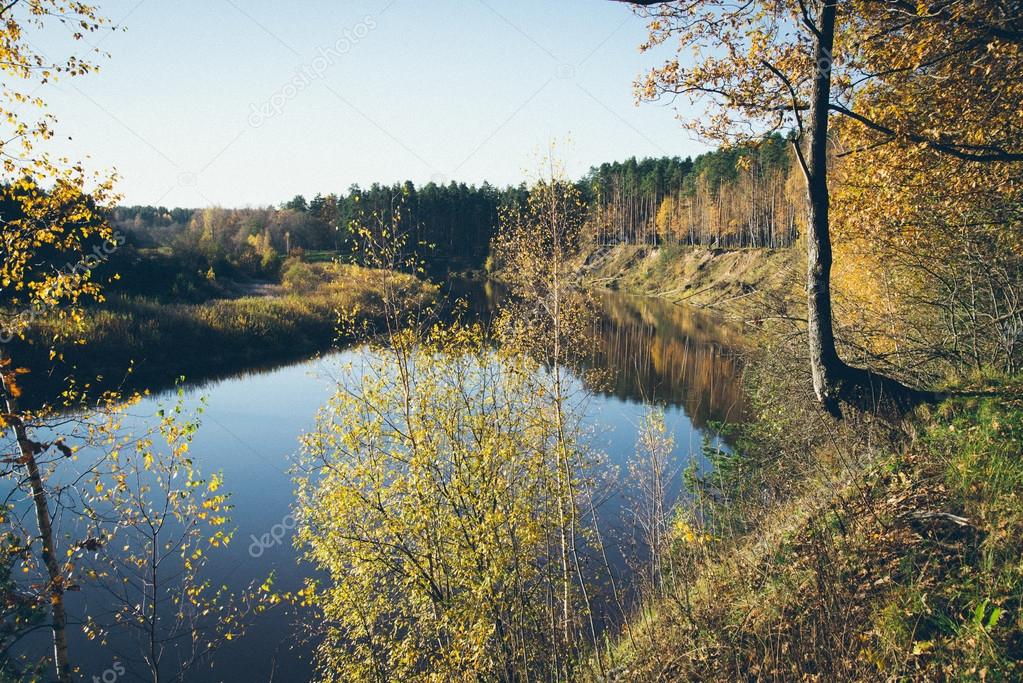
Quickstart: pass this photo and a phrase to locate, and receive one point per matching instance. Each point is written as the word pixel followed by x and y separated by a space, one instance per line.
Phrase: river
pixel 654 352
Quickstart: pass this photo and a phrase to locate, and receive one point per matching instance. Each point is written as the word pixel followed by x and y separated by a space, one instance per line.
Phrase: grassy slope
pixel 910 569
pixel 851 554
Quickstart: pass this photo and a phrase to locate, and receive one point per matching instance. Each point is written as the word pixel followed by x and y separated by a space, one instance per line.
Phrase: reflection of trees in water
pixel 472 299
pixel 661 352
pixel 646 350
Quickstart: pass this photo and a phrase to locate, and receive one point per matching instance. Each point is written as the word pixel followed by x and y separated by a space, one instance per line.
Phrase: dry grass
pixel 695 276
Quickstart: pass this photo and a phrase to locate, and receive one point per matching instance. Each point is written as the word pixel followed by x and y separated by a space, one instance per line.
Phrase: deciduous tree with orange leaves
pixel 906 77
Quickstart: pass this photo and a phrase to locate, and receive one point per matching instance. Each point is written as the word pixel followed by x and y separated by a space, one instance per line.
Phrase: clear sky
pixel 249 102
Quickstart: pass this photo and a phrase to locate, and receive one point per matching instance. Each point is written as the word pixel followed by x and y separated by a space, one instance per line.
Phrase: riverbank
pixel 851 551
pixel 134 343
pixel 893 563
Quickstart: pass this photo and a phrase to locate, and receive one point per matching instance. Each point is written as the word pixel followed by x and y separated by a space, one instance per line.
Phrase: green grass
pixel 320 256
pixel 966 617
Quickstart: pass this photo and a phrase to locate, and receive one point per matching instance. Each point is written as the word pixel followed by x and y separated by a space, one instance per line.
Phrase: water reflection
pixel 658 352
pixel 649 351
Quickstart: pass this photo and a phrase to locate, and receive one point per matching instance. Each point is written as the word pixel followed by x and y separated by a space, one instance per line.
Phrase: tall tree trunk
pixel 825 364
pixel 28 450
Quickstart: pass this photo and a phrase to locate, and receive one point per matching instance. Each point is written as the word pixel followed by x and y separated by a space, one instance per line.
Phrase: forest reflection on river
pixel 662 353
pixel 652 351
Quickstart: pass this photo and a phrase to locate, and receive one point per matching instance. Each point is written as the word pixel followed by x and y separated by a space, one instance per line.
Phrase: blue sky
pixel 249 102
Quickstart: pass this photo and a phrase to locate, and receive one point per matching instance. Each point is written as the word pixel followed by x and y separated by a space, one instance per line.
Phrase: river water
pixel 654 353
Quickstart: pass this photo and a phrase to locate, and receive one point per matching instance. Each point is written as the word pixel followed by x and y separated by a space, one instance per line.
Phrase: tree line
pixel 467 557
pixel 449 225
pixel 733 197
pixel 739 196
pixel 903 119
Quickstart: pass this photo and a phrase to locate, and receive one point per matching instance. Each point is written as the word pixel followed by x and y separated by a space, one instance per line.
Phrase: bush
pixel 299 277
